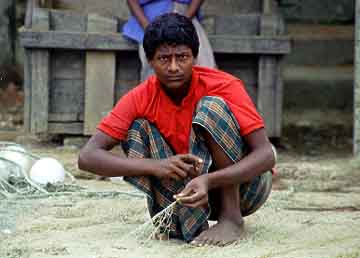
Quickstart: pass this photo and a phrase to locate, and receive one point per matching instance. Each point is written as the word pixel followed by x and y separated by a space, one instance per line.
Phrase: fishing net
pixel 15 164
pixel 18 194
pixel 157 227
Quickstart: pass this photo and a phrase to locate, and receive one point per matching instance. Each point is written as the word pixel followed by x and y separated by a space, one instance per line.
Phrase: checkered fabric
pixel 145 141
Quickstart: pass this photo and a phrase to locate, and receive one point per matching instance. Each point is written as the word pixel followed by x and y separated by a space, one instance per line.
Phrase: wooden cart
pixel 77 65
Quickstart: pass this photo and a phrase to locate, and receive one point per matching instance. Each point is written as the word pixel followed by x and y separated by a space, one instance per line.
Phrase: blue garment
pixel 152 8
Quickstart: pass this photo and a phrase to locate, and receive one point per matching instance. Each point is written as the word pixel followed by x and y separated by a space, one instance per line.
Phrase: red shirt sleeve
pixel 241 105
pixel 118 121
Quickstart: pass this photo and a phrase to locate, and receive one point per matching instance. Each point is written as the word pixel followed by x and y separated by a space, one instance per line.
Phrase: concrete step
pixel 318 87
pixel 321 44
pixel 323 11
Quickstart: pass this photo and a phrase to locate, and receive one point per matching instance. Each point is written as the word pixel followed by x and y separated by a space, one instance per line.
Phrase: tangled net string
pixel 15 184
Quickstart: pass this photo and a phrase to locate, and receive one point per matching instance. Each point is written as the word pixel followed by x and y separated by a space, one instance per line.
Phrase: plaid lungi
pixel 145 141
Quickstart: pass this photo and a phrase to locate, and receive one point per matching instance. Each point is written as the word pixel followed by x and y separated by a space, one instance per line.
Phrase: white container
pixel 17 155
pixel 4 170
pixel 47 170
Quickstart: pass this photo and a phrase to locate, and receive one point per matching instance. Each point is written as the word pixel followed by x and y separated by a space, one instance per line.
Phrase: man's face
pixel 173 66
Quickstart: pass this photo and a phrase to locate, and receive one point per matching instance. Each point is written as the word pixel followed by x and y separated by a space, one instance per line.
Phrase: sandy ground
pixel 313 211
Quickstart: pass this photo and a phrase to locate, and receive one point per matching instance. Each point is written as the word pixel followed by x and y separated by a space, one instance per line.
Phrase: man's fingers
pixel 195 163
pixel 191 158
pixel 185 192
pixel 184 199
pixel 188 169
pixel 175 177
pixel 179 171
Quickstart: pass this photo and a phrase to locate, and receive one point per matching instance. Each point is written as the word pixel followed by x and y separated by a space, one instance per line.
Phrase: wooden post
pixel 100 77
pixel 37 78
pixel 356 127
pixel 270 87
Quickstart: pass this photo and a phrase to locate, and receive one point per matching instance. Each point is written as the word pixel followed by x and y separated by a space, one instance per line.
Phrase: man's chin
pixel 175 84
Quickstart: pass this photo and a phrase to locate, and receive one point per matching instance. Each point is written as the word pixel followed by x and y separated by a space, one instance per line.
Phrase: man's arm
pixel 260 159
pixel 95 157
pixel 138 12
pixel 193 8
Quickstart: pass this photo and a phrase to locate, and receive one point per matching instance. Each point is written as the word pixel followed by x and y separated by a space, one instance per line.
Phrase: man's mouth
pixel 175 78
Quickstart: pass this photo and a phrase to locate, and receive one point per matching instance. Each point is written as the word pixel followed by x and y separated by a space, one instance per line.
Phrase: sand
pixel 313 211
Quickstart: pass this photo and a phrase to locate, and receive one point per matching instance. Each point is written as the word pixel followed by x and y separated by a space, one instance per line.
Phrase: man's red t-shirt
pixel 150 102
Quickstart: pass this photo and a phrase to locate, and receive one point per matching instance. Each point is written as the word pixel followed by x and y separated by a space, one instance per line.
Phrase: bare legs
pixel 230 226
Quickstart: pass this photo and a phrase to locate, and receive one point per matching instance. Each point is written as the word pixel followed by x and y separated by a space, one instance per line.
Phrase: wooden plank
pixel 245 24
pixel 39 91
pixel 39 96
pixel 356 126
pixel 269 97
pixel 242 66
pixel 127 76
pixel 122 87
pixel 67 64
pixel 27 91
pixel 130 71
pixel 67 96
pixel 270 87
pixel 100 78
pixel 66 128
pixel 66 117
pixel 30 5
pixel 29 13
pixel 115 42
pixel 40 19
pixel 67 21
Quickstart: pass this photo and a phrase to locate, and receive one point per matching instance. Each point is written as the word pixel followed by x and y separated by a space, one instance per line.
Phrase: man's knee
pixel 140 122
pixel 139 129
pixel 213 101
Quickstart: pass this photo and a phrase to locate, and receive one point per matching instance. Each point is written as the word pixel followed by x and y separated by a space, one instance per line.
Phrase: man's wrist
pixel 212 180
pixel 145 167
pixel 144 24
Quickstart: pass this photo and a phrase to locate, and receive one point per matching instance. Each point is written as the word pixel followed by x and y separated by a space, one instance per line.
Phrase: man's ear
pixel 151 63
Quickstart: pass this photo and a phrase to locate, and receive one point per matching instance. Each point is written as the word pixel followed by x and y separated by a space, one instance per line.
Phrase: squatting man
pixel 190 134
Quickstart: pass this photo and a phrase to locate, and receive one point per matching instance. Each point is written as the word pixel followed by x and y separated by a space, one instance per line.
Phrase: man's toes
pixel 196 241
pixel 214 242
pixel 200 240
pixel 222 243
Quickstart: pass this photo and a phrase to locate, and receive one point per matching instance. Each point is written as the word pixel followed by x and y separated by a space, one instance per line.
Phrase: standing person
pixel 145 11
pixel 190 134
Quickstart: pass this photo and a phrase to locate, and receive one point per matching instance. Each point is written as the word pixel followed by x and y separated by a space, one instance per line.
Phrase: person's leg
pixel 145 141
pixel 215 127
pixel 206 54
pixel 229 227
pixel 146 69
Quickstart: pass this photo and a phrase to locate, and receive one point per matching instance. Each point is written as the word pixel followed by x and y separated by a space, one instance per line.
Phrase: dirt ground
pixel 313 211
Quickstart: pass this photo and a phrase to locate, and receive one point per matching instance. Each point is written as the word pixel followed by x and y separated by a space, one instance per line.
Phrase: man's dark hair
pixel 172 29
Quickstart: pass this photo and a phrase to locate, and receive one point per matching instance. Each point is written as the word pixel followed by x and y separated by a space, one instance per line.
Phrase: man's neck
pixel 177 95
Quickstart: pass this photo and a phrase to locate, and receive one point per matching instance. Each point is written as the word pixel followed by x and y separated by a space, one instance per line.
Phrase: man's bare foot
pixel 160 236
pixel 225 232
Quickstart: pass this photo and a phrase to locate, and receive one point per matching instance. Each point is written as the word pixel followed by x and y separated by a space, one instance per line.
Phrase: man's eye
pixel 163 59
pixel 183 58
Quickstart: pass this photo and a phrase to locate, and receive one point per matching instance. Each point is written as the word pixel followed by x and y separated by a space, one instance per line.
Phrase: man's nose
pixel 173 67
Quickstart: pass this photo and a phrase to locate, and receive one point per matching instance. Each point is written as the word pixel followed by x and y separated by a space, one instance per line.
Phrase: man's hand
pixel 178 167
pixel 195 193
